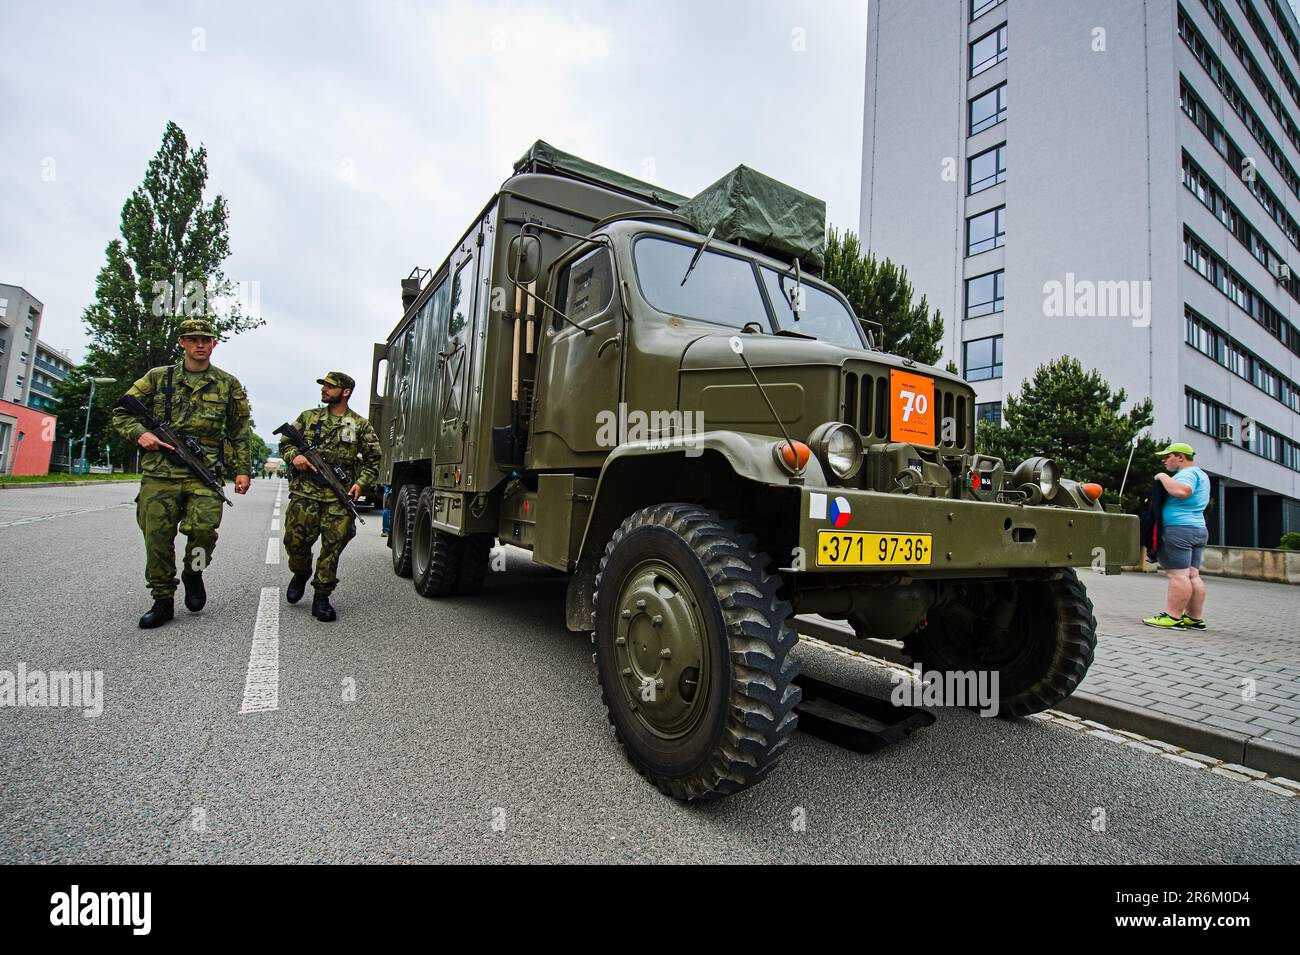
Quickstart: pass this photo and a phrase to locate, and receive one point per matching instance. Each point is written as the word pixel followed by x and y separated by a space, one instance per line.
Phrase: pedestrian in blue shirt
pixel 1183 539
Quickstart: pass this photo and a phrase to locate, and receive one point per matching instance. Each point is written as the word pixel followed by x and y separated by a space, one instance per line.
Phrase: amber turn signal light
pixel 793 455
pixel 1091 491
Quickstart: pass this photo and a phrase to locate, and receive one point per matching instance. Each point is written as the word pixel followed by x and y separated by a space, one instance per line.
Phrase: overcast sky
pixel 355 141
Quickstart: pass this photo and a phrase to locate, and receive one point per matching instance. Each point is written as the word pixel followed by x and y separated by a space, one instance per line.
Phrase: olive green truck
pixel 657 396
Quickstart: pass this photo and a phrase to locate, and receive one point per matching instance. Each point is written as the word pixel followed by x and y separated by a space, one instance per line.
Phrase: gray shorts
pixel 1181 546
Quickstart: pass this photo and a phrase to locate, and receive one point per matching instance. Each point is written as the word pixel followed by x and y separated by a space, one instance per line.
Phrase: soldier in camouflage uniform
pixel 347 440
pixel 197 399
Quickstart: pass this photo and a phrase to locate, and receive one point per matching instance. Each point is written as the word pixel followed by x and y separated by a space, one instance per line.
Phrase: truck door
pixel 580 373
pixel 454 354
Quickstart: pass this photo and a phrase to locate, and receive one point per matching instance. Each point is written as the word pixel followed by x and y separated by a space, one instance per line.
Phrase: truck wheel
pixel 435 554
pixel 693 652
pixel 475 555
pixel 405 503
pixel 1041 657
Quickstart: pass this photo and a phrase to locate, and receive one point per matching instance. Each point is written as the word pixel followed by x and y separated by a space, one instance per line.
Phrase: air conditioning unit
pixel 1224 432
pixel 1283 272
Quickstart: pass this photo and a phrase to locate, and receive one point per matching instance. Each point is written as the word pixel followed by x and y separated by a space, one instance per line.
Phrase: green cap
pixel 1177 448
pixel 337 379
pixel 196 326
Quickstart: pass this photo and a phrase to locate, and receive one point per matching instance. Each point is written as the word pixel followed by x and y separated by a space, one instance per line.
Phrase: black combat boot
pixel 321 609
pixel 195 594
pixel 296 586
pixel 157 615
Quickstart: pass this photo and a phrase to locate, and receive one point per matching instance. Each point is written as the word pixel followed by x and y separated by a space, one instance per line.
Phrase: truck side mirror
pixel 524 260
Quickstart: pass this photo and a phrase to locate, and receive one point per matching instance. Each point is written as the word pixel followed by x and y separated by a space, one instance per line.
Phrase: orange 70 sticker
pixel 911 408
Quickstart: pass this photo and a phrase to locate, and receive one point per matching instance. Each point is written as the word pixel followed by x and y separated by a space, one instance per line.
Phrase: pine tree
pixel 1073 416
pixel 879 290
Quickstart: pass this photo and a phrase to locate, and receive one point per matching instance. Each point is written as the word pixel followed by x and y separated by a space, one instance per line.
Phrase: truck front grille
pixel 865 405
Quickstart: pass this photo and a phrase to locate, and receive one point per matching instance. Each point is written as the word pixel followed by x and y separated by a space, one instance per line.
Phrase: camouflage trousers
pixel 306 519
pixel 164 506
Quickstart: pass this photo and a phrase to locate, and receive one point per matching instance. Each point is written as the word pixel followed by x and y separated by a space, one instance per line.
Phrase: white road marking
pixel 84 510
pixel 262 686
pixel 275 523
pixel 273 551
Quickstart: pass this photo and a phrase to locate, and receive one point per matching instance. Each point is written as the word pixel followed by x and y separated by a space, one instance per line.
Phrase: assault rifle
pixel 326 475
pixel 185 449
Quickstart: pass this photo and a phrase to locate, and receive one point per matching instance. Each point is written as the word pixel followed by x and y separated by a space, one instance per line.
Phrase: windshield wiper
pixel 698 252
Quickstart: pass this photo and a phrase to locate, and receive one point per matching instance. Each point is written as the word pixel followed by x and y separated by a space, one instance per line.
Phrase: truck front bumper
pixel 966 537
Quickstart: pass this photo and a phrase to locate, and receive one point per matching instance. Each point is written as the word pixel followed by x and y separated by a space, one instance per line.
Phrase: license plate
pixel 866 549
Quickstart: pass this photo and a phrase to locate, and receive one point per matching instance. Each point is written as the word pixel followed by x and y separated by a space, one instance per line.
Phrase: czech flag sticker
pixel 840 512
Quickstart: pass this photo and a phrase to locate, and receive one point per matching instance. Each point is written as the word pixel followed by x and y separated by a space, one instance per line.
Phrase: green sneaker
pixel 1163 621
pixel 1191 623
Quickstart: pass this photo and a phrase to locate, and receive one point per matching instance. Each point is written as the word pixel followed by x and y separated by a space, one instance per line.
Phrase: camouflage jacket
pixel 346 440
pixel 215 411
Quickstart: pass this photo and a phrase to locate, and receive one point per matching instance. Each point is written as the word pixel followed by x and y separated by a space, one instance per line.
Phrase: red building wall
pixel 31 440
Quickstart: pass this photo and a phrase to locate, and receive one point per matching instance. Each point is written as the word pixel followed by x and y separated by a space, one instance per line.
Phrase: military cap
pixel 196 326
pixel 337 379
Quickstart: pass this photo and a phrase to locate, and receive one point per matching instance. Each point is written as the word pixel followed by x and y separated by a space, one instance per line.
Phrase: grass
pixel 57 478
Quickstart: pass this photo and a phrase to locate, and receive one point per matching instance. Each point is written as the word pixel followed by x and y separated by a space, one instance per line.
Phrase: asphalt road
pixel 477 735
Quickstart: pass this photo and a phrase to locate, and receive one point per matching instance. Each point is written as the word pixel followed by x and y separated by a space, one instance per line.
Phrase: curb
pixel 18 484
pixel 1253 752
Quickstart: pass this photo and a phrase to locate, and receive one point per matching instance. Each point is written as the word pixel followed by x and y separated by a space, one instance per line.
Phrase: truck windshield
pixel 824 317
pixel 722 289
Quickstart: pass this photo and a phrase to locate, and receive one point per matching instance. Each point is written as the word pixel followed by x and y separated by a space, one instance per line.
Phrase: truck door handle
pixel 608 341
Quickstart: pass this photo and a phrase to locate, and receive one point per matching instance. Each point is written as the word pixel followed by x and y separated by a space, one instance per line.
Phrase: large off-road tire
pixel 402 532
pixel 693 652
pixel 475 556
pixel 435 554
pixel 1041 657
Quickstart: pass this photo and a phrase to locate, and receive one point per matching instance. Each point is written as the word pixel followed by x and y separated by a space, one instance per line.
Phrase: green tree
pixel 879 290
pixel 1072 415
pixel 260 449
pixel 165 267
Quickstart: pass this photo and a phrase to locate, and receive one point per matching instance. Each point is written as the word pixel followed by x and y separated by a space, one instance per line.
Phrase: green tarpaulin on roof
pixel 744 206
pixel 764 214
pixel 542 157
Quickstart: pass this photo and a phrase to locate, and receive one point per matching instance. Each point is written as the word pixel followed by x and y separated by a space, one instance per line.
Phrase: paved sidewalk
pixel 1241 675
pixel 1233 690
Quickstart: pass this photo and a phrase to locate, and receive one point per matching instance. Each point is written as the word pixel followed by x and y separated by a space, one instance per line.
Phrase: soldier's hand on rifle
pixel 354 492
pixel 302 464
pixel 241 483
pixel 149 441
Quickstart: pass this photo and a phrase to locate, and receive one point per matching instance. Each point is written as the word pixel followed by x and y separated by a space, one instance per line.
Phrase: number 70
pixel 913 402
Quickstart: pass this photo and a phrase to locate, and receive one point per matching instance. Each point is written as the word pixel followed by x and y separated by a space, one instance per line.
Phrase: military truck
pixel 658 397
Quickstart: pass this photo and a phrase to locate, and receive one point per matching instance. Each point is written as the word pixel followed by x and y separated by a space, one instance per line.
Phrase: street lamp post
pixel 85 434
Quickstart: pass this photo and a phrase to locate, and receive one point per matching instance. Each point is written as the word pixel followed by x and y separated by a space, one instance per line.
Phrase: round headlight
pixel 1043 472
pixel 839 448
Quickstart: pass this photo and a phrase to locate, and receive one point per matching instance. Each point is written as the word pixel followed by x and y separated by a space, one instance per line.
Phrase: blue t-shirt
pixel 1188 511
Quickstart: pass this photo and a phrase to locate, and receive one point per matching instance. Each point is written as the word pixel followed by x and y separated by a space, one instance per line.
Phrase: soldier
pixel 197 399
pixel 347 440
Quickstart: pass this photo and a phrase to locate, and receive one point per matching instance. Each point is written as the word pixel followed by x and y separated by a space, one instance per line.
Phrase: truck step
pixel 861 723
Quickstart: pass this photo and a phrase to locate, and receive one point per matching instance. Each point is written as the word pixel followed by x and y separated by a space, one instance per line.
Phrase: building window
pixel 4 306
pixel 988 51
pixel 983 358
pixel 984 294
pixel 986 231
pixel 990 412
pixel 980 7
pixel 987 169
pixel 988 110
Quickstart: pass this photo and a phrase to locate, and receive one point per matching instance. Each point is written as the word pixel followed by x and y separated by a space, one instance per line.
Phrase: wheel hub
pixel 659 647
